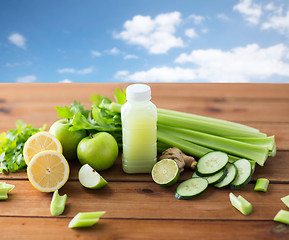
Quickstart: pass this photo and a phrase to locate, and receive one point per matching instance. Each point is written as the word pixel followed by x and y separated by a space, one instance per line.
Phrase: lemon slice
pixel 39 142
pixel 48 171
pixel 165 172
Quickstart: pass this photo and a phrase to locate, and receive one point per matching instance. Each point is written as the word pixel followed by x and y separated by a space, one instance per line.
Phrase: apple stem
pixel 90 135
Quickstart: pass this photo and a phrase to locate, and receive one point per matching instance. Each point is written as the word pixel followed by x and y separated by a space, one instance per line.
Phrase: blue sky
pixel 144 41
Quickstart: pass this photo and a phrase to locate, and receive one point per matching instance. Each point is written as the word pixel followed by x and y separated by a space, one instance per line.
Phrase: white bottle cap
pixel 138 92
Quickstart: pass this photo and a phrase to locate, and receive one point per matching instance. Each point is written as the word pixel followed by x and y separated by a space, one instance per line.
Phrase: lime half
pixel 166 172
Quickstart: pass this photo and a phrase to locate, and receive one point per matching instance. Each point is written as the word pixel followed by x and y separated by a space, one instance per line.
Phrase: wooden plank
pixel 53 228
pixel 34 103
pixel 38 111
pixel 197 90
pixel 276 170
pixel 144 200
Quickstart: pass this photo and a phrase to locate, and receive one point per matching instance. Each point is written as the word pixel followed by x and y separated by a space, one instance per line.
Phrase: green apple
pixel 90 178
pixel 99 151
pixel 69 139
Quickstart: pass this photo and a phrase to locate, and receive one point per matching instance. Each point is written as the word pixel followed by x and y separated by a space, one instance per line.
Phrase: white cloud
pixel 191 33
pixel 197 19
pixel 122 74
pixel 73 70
pixel 18 40
pixel 162 74
pixel 278 22
pixel 65 81
pixel 223 16
pixel 156 35
pixel 16 64
pixel 130 56
pixel 250 11
pixel 95 53
pixel 113 51
pixel 240 64
pixel 26 79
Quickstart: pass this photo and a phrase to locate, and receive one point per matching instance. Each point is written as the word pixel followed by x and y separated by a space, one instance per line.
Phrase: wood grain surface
pixel 137 208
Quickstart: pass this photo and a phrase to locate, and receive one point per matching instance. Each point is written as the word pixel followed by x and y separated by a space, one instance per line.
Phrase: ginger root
pixel 182 160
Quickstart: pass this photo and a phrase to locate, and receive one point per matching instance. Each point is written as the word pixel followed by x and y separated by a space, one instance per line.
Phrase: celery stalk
pixel 85 219
pixel 268 142
pixel 282 216
pixel 186 146
pixel 261 185
pixel 208 120
pixel 57 204
pixel 4 189
pixel 206 127
pixel 241 204
pixel 285 200
pixel 236 148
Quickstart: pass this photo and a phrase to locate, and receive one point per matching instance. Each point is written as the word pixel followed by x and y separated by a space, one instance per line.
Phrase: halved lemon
pixel 39 142
pixel 48 171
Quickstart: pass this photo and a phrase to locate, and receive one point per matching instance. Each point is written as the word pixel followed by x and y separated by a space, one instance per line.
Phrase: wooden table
pixel 136 207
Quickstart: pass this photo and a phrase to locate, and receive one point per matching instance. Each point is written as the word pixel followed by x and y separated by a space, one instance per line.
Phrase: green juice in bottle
pixel 139 130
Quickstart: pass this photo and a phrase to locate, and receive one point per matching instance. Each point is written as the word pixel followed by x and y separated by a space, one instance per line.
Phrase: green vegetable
pixel 244 174
pixel 104 115
pixel 85 219
pixel 282 216
pixel 4 189
pixel 191 188
pixel 11 147
pixel 262 185
pixel 236 148
pixel 211 163
pixel 218 129
pixel 241 204
pixel 193 134
pixel 57 204
pixel 285 200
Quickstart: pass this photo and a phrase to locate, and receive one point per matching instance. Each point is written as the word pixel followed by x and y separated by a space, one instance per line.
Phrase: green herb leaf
pixel 68 112
pixel 11 147
pixel 120 96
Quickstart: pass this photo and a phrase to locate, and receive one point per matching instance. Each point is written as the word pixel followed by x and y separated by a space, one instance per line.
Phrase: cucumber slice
pixel 215 178
pixel 211 163
pixel 244 174
pixel 231 175
pixel 191 188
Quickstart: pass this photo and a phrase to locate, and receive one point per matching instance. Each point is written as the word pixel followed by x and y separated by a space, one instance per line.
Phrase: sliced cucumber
pixel 211 163
pixel 191 188
pixel 244 174
pixel 231 175
pixel 215 178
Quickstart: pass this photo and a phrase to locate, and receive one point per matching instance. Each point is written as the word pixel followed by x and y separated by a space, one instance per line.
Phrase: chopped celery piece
pixel 222 130
pixel 4 189
pixel 209 120
pixel 236 148
pixel 261 185
pixel 282 216
pixel 241 204
pixel 85 219
pixel 57 204
pixel 285 200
